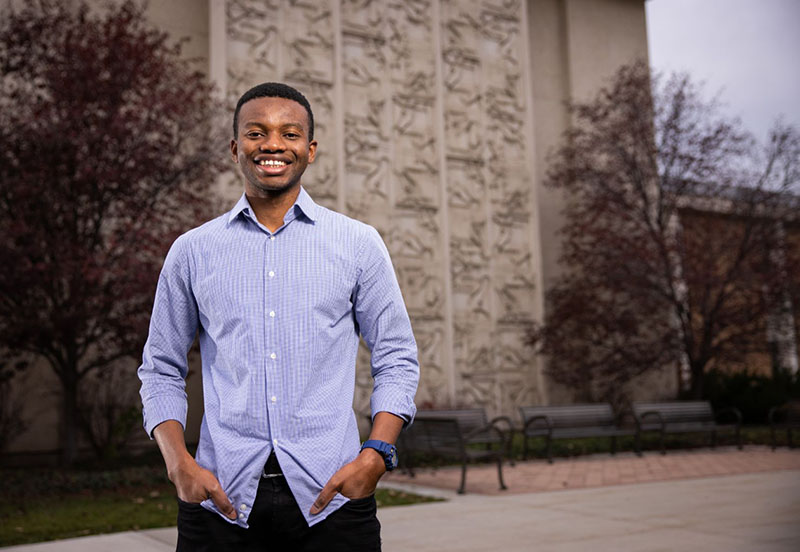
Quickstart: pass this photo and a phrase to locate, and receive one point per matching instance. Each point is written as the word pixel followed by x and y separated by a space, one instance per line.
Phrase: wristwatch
pixel 387 450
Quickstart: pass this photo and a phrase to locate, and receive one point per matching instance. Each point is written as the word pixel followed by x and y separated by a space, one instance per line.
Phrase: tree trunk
pixel 696 389
pixel 69 418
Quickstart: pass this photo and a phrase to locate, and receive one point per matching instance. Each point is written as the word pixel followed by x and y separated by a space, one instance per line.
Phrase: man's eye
pixel 291 135
pixel 253 134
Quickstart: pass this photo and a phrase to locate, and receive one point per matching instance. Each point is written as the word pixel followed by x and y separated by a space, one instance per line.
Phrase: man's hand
pixel 356 479
pixel 195 484
pixel 192 483
pixel 360 477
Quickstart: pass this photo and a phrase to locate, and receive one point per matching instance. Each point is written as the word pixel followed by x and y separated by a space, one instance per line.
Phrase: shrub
pixel 753 394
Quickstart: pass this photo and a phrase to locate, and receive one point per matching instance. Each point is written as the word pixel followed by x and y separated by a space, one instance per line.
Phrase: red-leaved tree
pixel 674 237
pixel 109 146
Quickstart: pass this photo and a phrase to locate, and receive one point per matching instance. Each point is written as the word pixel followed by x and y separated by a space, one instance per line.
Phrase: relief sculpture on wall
pixel 431 143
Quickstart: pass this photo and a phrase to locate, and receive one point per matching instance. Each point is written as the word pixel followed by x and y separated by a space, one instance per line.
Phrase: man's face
pixel 272 146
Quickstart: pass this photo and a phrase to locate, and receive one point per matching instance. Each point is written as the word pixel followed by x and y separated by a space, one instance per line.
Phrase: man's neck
pixel 271 208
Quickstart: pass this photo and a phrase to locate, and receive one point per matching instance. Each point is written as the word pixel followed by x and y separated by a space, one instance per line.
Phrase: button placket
pixel 271 294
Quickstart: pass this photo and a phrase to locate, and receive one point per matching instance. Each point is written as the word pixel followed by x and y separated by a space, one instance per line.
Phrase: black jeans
pixel 277 524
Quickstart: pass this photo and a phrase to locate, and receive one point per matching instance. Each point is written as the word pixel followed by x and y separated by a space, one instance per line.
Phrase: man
pixel 278 290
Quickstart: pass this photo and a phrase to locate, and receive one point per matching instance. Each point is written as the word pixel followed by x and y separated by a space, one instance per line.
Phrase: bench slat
pixel 570 421
pixel 681 417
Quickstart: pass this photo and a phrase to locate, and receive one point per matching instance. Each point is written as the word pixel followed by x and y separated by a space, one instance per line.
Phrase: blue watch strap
pixel 387 450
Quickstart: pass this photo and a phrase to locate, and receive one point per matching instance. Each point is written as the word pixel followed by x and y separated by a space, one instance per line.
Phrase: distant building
pixel 717 219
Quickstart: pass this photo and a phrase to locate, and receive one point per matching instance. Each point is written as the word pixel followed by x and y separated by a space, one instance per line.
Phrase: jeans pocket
pixel 189 505
pixel 364 504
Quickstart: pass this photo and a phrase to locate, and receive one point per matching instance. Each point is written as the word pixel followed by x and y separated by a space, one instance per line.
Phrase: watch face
pixel 392 458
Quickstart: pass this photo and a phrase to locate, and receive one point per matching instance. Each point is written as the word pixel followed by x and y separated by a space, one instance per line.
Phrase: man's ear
pixel 312 151
pixel 234 151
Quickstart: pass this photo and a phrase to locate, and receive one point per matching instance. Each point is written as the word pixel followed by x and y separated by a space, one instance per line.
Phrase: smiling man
pixel 278 290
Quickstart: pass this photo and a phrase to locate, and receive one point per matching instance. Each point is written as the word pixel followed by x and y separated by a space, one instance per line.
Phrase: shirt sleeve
pixel 173 326
pixel 384 324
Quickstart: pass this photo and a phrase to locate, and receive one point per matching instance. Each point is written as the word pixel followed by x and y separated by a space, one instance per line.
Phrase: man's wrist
pixel 385 449
pixel 179 465
pixel 374 460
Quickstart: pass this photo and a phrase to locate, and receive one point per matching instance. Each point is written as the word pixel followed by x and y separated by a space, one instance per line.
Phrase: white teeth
pixel 271 163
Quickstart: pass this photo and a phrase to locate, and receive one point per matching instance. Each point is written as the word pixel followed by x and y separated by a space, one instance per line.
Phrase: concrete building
pixel 434 119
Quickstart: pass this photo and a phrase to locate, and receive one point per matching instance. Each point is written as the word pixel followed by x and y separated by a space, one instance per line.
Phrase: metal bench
pixel 683 417
pixel 784 417
pixel 568 422
pixel 453 434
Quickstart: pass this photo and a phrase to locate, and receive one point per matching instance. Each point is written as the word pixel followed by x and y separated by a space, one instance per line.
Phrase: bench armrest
pixel 488 428
pixel 778 414
pixel 508 432
pixel 540 418
pixel 650 414
pixel 503 419
pixel 730 410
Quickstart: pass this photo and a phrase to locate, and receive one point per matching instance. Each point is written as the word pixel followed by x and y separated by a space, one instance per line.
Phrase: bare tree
pixel 109 410
pixel 670 224
pixel 12 424
pixel 109 146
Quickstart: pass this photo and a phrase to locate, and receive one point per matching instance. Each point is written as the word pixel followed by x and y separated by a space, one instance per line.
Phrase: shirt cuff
pixel 401 406
pixel 162 408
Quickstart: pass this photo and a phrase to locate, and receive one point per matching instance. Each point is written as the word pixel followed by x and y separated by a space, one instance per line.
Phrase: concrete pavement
pixel 602 470
pixel 747 513
pixel 755 510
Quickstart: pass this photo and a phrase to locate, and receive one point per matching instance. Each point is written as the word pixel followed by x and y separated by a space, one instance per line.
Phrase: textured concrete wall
pixel 184 19
pixel 576 46
pixel 424 128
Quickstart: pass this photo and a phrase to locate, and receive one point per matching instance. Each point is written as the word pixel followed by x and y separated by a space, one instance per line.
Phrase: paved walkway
pixel 605 470
pixel 692 501
pixel 734 513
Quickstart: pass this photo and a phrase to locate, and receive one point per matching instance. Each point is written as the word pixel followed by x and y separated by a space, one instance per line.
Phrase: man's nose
pixel 274 142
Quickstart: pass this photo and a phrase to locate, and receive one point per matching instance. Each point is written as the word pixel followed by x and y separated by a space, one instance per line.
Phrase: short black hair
pixel 273 90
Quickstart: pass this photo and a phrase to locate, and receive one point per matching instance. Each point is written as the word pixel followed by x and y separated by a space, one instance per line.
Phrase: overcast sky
pixel 748 50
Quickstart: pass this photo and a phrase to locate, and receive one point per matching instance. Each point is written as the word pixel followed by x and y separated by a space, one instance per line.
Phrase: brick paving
pixel 605 470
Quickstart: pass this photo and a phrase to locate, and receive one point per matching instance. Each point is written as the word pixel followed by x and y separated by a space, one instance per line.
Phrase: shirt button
pixel 275 442
pixel 273 356
pixel 243 507
pixel 272 238
pixel 273 398
pixel 271 273
pixel 272 314
pixel 241 516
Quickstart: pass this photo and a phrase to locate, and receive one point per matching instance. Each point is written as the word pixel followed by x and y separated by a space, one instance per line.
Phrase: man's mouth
pixel 271 167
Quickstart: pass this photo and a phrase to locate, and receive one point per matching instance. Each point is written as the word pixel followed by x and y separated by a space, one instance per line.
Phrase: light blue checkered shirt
pixel 278 315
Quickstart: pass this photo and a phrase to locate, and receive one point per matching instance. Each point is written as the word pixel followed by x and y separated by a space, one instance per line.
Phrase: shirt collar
pixel 241 206
pixel 303 204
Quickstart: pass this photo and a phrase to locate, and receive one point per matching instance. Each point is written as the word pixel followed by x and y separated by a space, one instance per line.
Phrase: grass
pixel 77 515
pixel 41 505
pixel 393 497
